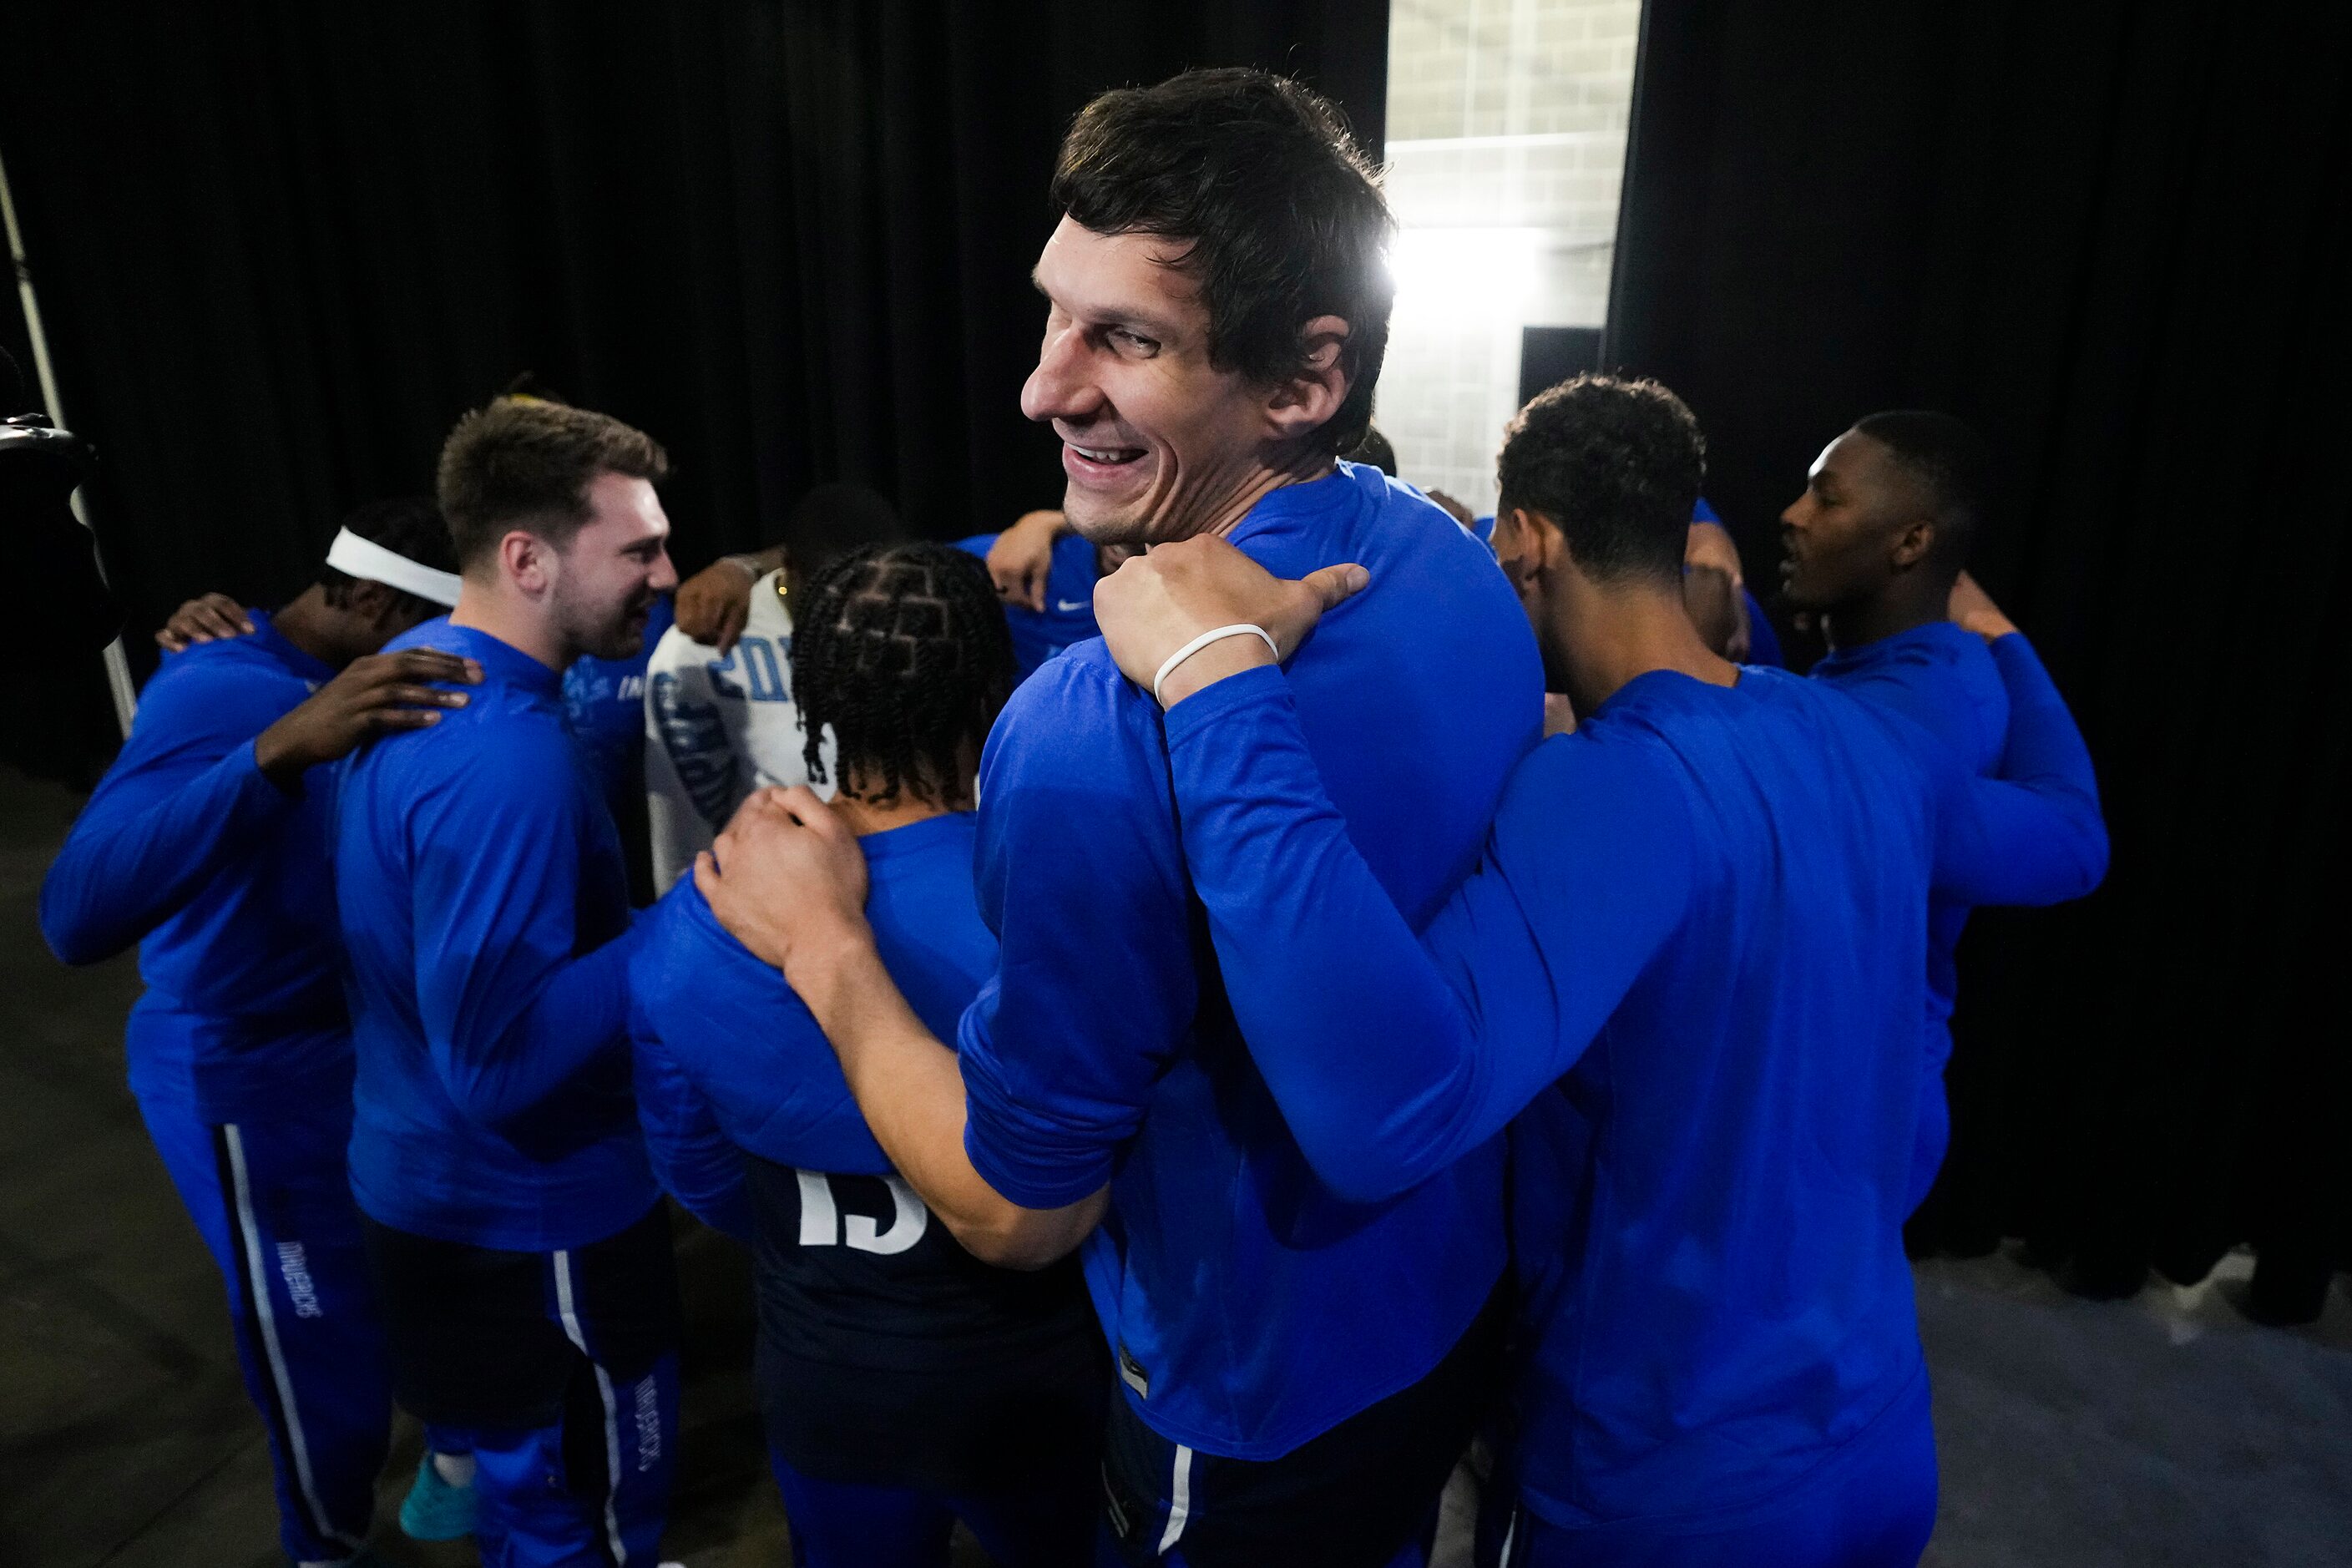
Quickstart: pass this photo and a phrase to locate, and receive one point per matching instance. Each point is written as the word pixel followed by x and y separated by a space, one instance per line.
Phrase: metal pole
pixel 117 664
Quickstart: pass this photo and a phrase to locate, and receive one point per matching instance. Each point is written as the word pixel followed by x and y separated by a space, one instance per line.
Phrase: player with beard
pixel 521 1255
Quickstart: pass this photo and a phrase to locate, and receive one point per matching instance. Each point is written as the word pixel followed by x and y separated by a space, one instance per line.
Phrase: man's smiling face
pixel 1156 441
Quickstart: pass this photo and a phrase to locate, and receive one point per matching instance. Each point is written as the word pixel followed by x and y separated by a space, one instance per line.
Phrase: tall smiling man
pixel 1299 1371
pixel 515 1231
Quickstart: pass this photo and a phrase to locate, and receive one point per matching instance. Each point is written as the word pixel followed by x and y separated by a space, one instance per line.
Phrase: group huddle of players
pixel 1400 988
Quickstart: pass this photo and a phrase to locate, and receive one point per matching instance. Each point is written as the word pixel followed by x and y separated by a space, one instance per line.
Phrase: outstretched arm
pixel 197 787
pixel 1391 1055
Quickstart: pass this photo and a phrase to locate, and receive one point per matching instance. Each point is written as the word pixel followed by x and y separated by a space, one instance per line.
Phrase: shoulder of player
pixel 1075 727
pixel 1597 763
pixel 502 743
pixel 1938 650
pixel 1873 733
pixel 1079 691
pixel 1402 537
pixel 225 684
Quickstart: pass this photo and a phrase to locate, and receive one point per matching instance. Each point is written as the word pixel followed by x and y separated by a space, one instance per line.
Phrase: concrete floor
pixel 2163 1430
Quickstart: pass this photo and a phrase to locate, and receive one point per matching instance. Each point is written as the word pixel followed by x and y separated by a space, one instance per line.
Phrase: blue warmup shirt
pixel 1763 641
pixel 1693 958
pixel 1250 1306
pixel 223 878
pixel 887 1354
pixel 1069 616
pixel 604 700
pixel 480 885
pixel 1943 677
pixel 727 1055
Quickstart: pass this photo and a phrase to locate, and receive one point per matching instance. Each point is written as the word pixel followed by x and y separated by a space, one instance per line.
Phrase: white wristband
pixel 1242 630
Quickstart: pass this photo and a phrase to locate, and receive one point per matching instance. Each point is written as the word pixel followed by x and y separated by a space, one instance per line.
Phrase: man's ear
pixel 1311 396
pixel 1914 543
pixel 1528 544
pixel 371 601
pixel 527 560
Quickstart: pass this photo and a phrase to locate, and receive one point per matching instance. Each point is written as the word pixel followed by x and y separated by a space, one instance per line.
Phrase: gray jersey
pixel 719 726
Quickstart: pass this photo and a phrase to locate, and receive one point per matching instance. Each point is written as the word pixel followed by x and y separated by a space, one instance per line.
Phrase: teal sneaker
pixel 434 1510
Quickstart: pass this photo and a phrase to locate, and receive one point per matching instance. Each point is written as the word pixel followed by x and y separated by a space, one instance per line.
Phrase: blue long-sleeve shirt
pixel 752 1126
pixel 1944 677
pixel 729 1058
pixel 1069 615
pixel 1250 1306
pixel 223 878
pixel 1693 957
pixel 481 890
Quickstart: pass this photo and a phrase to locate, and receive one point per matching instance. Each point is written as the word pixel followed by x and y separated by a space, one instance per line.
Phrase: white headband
pixel 365 558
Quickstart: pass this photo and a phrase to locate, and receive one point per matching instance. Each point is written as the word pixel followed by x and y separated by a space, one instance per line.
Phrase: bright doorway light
pixel 1465 274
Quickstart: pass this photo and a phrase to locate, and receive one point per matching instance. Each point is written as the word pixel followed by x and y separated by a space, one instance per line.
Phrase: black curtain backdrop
pixel 280 246
pixel 2113 235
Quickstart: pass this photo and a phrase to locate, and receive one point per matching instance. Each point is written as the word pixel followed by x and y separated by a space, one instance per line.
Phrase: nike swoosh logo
pixel 1070 606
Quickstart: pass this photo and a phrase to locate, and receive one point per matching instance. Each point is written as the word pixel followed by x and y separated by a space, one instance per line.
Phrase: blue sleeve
pixel 728 1025
pixel 692 1157
pixel 184 800
pixel 511 1009
pixel 2033 834
pixel 1763 638
pixel 1392 1056
pixel 1938 697
pixel 1081 877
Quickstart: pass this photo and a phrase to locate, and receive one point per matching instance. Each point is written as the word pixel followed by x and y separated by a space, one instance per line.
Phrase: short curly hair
pixel 1616 465
pixel 901 650
pixel 1277 210
pixel 1948 460
pixel 527 461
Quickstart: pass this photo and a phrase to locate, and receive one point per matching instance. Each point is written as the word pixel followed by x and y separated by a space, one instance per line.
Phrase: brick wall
pixel 1506 144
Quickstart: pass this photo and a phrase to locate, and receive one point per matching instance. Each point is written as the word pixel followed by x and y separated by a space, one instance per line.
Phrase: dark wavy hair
pixel 902 651
pixel 1616 465
pixel 1258 179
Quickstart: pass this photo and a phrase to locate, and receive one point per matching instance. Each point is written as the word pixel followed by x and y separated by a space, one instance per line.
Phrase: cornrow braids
pixel 902 651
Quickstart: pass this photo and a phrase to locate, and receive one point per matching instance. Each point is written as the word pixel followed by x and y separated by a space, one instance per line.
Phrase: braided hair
pixel 902 651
